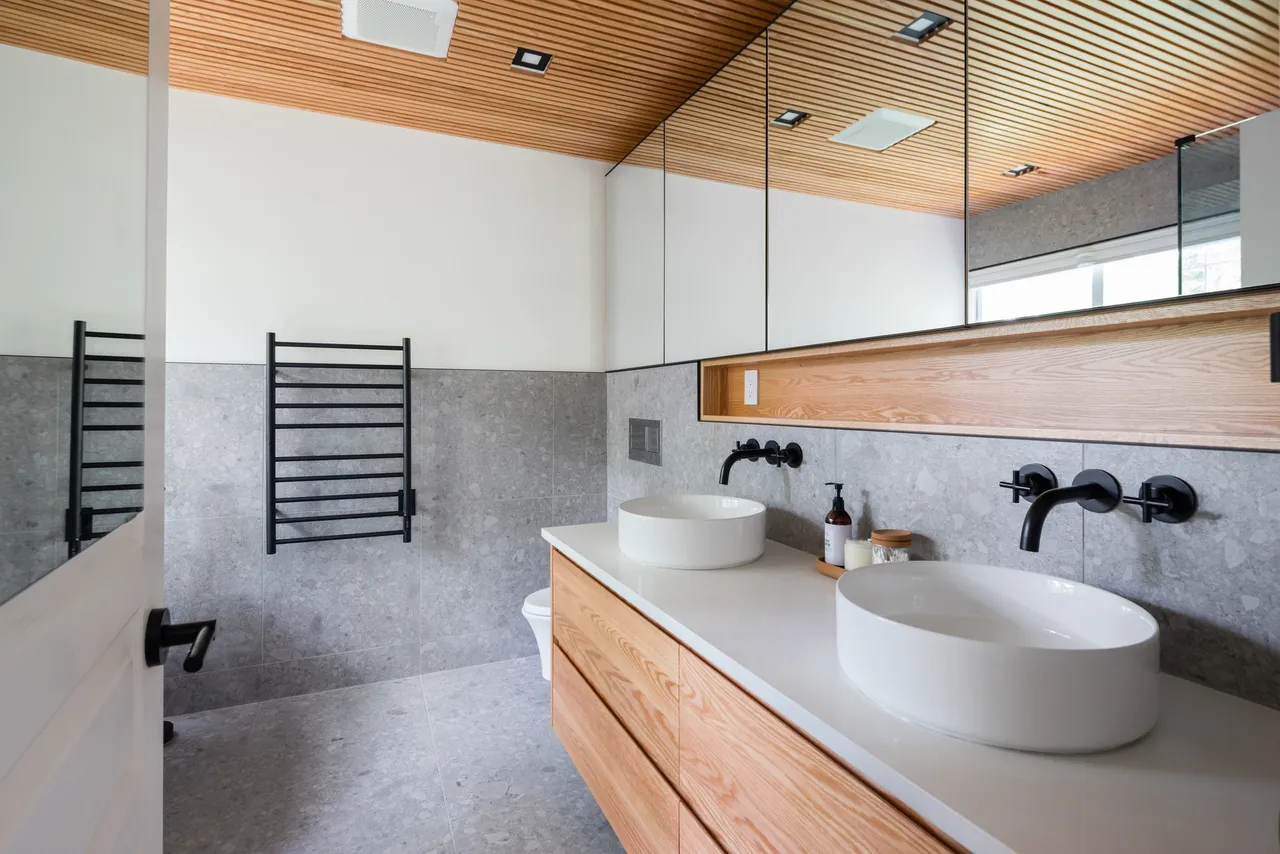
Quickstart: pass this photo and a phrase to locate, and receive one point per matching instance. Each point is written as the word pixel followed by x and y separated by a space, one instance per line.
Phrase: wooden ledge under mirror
pixel 1190 373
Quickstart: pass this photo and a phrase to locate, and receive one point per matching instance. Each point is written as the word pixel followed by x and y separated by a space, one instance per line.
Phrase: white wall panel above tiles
pixel 634 248
pixel 840 270
pixel 325 228
pixel 715 269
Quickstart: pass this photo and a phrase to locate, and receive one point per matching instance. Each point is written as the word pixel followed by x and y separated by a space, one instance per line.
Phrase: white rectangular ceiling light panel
pixel 882 128
pixel 420 26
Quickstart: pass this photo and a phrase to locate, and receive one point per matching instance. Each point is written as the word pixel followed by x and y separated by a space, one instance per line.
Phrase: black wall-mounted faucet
pixel 1093 489
pixel 772 453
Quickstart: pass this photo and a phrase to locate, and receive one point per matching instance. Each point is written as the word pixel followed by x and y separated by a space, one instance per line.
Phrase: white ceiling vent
pixel 880 129
pixel 421 26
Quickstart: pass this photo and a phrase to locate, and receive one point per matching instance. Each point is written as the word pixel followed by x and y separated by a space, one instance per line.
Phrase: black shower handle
pixel 161 634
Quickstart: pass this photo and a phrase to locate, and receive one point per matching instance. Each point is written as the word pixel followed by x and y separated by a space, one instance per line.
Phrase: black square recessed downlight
pixel 924 27
pixel 530 60
pixel 790 118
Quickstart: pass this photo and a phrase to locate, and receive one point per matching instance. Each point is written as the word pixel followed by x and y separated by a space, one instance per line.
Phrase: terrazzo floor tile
pixel 359 771
pixel 502 758
pixel 569 822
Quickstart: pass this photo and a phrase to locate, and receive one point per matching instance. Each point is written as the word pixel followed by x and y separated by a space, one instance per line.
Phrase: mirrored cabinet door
pixel 73 157
pixel 715 215
pixel 866 171
pixel 633 235
pixel 1120 152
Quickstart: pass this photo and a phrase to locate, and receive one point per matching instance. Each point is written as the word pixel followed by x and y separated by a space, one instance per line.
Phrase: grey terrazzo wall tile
pixel 1211 581
pixel 339 670
pixel 515 640
pixel 945 489
pixel 30 444
pixel 26 558
pixel 213 440
pixel 339 596
pixel 482 435
pixel 579 434
pixel 480 560
pixel 198 692
pixel 213 571
pixel 578 509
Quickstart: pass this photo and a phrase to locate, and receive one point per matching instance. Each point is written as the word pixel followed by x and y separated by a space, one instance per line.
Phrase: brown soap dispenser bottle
pixel 838 529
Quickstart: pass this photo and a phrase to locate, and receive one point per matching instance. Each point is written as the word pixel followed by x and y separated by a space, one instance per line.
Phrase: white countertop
pixel 1207 779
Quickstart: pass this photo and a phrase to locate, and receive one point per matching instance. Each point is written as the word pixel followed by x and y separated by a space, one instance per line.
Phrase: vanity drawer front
pixel 632 664
pixel 641 806
pixel 760 786
pixel 694 838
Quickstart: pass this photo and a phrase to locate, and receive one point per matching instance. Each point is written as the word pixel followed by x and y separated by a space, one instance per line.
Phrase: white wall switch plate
pixel 751 388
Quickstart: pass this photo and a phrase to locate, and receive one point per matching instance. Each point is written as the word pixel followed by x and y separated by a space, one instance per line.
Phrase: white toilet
pixel 537 610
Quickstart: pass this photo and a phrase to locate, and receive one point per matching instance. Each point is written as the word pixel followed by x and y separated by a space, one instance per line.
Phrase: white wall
pixel 841 270
pixel 634 250
pixel 72 200
pixel 714 268
pixel 324 228
pixel 1260 200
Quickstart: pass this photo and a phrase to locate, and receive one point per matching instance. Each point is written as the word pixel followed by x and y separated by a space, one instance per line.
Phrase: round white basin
pixel 1000 656
pixel 691 531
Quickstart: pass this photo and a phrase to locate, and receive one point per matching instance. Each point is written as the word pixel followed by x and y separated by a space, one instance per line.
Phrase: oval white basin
pixel 1000 656
pixel 691 531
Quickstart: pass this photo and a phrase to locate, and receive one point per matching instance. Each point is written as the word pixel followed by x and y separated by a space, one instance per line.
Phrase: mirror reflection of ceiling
pixel 618 68
pixel 718 134
pixel 113 34
pixel 650 153
pixel 836 60
pixel 1087 88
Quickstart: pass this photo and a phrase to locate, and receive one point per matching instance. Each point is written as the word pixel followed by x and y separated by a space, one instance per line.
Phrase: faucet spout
pixel 750 451
pixel 1093 489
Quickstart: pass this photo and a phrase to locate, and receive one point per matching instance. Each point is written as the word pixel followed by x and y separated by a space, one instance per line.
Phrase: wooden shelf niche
pixel 1195 372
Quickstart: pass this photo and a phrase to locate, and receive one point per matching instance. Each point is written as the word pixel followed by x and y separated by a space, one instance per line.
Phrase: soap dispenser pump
pixel 838 529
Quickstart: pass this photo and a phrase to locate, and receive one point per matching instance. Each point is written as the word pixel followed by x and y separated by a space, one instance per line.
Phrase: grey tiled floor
pixel 457 762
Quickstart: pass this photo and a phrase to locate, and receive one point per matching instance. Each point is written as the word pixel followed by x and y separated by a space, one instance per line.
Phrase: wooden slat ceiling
pixel 1079 89
pixel 112 33
pixel 1086 88
pixel 835 60
pixel 619 66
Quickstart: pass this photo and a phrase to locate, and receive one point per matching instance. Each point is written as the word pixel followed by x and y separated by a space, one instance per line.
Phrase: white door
pixel 80 711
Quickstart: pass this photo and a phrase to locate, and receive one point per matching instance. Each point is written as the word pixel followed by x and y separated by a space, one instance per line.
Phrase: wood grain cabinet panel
pixel 694 838
pixel 630 662
pixel 760 786
pixel 639 803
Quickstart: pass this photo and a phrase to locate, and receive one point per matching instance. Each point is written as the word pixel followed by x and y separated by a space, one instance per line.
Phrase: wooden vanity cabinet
pixel 681 759
pixel 632 664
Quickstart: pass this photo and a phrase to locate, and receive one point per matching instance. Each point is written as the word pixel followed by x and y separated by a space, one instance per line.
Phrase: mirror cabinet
pixel 715 214
pixel 872 169
pixel 1120 152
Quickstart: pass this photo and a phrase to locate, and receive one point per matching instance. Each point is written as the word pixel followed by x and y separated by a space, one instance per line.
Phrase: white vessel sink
pixel 691 531
pixel 1000 656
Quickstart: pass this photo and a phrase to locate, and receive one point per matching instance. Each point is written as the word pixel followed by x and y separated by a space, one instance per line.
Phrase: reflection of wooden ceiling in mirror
pixel 650 152
pixel 113 34
pixel 1087 88
pixel 718 134
pixel 836 60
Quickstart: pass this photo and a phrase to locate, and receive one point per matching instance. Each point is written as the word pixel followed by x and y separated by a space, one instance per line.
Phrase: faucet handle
pixel 1165 499
pixel 751 445
pixel 1030 481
